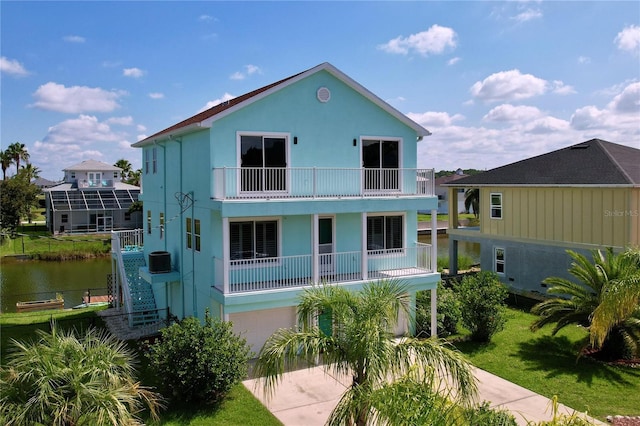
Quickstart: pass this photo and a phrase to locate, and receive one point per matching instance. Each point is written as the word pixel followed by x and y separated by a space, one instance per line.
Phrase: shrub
pixel 464 262
pixel 68 379
pixel 199 363
pixel 484 415
pixel 482 298
pixel 448 312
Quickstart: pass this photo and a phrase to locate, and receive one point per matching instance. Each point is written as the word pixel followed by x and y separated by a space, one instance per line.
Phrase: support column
pixel 315 256
pixel 226 256
pixel 434 313
pixel 434 240
pixel 365 261
pixel 453 256
pixel 411 320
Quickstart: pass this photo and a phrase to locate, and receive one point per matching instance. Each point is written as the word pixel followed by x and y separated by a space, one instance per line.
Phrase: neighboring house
pixel 91 199
pixel 583 197
pixel 442 192
pixel 312 179
pixel 43 183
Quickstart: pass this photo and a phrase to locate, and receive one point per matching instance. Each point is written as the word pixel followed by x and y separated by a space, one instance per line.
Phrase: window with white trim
pixel 263 162
pixel 155 160
pixel 161 225
pixel 148 221
pixel 496 205
pixel 253 239
pixel 193 234
pixel 385 233
pixel 499 260
pixel 147 156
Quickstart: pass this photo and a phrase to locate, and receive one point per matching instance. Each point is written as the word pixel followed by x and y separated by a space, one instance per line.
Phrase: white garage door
pixel 257 326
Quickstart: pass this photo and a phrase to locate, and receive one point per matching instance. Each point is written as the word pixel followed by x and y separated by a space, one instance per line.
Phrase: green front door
pixel 325 322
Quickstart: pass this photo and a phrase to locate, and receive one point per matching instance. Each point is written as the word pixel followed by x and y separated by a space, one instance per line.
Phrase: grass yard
pixel 548 365
pixel 42 245
pixel 239 408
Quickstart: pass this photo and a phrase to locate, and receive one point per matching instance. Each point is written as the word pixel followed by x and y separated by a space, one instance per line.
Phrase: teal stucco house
pixel 312 179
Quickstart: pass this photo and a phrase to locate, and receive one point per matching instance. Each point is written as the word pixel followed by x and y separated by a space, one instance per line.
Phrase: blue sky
pixel 495 82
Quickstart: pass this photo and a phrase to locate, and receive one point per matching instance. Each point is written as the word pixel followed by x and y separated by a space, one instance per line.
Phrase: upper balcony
pixel 95 183
pixel 242 183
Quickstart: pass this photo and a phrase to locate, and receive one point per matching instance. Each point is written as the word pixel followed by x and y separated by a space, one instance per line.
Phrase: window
pixel 127 216
pixel 161 225
pixel 147 154
pixel 196 233
pixel 253 239
pixel 115 175
pixel 155 160
pixel 499 260
pixel 148 221
pixel 64 218
pixel 263 160
pixel 73 175
pixel 496 205
pixel 381 160
pixel 189 234
pixel 384 232
pixel 193 234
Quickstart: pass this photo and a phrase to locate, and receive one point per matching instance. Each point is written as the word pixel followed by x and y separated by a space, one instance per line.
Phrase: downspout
pixel 179 140
pixel 163 228
pixel 193 256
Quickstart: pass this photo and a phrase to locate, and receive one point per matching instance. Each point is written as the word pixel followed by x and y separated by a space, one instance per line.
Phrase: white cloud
pixel 248 70
pixel 584 60
pixel 122 121
pixel 75 99
pixel 141 128
pixel 12 66
pixel 508 112
pixel 454 61
pixel 628 101
pixel 81 131
pixel 205 18
pixel 435 119
pixel 156 95
pixel 133 72
pixel 433 41
pixel 528 15
pixel 74 39
pixel 619 116
pixel 218 101
pixel 141 137
pixel 508 86
pixel 560 88
pixel 547 125
pixel 629 39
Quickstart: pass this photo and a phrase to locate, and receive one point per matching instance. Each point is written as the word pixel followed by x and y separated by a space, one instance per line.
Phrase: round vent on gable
pixel 323 94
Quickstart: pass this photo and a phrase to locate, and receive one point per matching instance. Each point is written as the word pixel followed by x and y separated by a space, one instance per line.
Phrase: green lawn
pixel 538 361
pixel 44 244
pixel 548 365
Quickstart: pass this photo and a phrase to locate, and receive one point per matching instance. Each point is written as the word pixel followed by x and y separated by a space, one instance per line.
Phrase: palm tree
pixel 125 165
pixel 65 380
pixel 30 172
pixel 6 159
pixel 472 200
pixel 620 306
pixel 18 152
pixel 596 290
pixel 134 177
pixel 361 343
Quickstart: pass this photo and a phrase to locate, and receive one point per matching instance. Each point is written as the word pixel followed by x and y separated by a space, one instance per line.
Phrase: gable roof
pixel 92 166
pixel 591 163
pixel 205 118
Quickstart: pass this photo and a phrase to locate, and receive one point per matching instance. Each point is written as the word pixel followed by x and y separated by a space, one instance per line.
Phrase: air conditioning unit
pixel 159 262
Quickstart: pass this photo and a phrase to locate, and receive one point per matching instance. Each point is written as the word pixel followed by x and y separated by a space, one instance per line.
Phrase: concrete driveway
pixel 306 397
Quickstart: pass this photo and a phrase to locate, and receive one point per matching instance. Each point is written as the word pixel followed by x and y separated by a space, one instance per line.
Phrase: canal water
pixel 22 281
pixel 26 280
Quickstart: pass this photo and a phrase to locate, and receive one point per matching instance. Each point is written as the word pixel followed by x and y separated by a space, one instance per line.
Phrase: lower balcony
pixel 272 273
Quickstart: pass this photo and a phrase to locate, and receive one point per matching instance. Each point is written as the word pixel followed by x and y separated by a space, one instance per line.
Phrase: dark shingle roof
pixel 594 162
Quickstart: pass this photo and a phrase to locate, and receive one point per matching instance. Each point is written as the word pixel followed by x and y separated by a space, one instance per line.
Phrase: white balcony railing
pixel 316 182
pixel 273 273
pixel 95 183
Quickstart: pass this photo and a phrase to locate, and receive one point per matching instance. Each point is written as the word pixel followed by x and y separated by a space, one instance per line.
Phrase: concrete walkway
pixel 306 397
